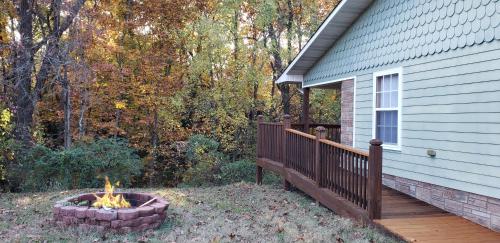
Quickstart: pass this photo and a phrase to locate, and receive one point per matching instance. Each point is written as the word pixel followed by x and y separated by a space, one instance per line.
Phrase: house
pixel 422 76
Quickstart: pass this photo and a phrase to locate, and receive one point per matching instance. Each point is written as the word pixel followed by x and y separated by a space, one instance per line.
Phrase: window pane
pixel 387 91
pixel 395 82
pixel 377 93
pixel 387 126
pixel 385 100
pixel 378 97
pixel 394 99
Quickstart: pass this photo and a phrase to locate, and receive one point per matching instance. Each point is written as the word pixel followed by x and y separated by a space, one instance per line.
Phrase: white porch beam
pixel 285 78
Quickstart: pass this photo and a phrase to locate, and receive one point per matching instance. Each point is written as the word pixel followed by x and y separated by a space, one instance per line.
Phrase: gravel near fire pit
pixel 239 212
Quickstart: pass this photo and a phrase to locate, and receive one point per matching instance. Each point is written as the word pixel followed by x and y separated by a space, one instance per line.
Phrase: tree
pixel 41 26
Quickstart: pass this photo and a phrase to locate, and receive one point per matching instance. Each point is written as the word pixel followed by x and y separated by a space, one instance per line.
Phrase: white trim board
pixel 284 78
pixel 329 82
pixel 399 71
pixel 354 112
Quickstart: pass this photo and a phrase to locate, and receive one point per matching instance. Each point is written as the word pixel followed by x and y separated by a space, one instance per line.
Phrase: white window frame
pixel 398 71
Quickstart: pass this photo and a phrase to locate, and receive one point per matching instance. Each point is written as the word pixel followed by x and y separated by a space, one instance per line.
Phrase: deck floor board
pixel 416 221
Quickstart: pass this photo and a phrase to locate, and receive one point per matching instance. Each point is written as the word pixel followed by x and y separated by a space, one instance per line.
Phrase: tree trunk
pixel 83 109
pixel 299 25
pixel 236 21
pixel 289 34
pixel 5 77
pixel 277 67
pixel 23 67
pixel 154 146
pixel 117 122
pixel 66 95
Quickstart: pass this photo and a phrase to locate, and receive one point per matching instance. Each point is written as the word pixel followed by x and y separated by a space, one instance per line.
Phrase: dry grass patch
pixel 238 212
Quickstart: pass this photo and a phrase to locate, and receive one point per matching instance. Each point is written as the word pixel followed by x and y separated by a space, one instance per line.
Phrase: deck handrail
pixel 303 134
pixel 345 147
pixel 333 131
pixel 325 125
pixel 353 174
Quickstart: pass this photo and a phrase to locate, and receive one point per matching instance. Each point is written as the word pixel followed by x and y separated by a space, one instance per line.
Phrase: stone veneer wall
pixel 346 115
pixel 479 209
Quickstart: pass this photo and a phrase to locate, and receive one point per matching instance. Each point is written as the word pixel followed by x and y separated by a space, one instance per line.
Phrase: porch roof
pixel 339 20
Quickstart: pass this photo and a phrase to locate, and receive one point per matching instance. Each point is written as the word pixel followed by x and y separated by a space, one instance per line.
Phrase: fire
pixel 108 200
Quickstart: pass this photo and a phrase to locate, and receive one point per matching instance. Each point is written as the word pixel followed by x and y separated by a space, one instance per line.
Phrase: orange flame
pixel 108 200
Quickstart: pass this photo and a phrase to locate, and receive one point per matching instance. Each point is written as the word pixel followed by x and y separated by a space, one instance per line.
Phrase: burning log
pixel 108 200
pixel 148 202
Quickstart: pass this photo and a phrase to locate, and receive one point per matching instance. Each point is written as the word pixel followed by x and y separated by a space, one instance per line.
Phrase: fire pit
pixel 139 211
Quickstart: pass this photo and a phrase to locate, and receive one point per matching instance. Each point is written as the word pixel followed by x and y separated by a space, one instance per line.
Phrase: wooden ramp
pixel 416 221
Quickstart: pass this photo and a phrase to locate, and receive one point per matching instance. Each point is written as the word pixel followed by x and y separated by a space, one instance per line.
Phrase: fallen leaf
pixel 280 227
pixel 339 240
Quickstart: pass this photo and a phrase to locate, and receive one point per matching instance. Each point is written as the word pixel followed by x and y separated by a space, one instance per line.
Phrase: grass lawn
pixel 232 213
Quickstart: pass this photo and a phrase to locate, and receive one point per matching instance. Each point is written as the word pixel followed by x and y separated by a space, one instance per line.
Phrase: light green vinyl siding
pixel 451 103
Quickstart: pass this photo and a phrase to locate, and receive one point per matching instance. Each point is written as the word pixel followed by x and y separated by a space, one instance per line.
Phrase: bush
pixel 204 160
pixel 82 166
pixel 242 170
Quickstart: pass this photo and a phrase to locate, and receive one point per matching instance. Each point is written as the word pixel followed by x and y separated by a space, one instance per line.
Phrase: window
pixel 387 104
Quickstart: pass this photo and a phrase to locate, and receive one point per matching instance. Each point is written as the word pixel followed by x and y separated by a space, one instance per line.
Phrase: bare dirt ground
pixel 239 212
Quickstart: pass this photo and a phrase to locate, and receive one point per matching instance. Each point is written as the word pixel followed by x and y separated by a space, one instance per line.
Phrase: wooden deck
pixel 349 182
pixel 416 221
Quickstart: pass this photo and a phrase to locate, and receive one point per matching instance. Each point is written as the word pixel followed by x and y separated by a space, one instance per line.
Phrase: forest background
pixel 149 92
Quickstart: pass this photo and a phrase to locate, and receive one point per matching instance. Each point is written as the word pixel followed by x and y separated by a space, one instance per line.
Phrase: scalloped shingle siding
pixel 391 31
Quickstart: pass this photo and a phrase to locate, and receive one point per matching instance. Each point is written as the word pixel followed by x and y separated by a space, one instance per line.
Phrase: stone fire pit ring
pixel 67 213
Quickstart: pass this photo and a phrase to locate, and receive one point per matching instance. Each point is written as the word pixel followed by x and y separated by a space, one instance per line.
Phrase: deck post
pixel 286 125
pixel 375 179
pixel 258 175
pixel 320 134
pixel 305 110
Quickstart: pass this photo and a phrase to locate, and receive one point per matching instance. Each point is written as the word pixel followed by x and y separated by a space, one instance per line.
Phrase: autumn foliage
pixel 152 72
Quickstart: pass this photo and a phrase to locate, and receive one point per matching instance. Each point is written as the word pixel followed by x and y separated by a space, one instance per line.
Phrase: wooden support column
pixel 305 110
pixel 320 134
pixel 375 179
pixel 287 124
pixel 258 175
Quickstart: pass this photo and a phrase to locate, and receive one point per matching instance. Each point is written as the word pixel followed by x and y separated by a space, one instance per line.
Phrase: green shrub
pixel 82 166
pixel 204 160
pixel 208 166
pixel 242 170
pixel 6 146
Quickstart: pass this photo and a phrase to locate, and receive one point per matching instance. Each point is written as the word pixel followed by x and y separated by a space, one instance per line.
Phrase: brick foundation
pixel 479 209
pixel 346 115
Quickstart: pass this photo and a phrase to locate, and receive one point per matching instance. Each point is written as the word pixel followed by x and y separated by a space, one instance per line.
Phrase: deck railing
pixel 343 178
pixel 270 141
pixel 300 152
pixel 344 171
pixel 332 130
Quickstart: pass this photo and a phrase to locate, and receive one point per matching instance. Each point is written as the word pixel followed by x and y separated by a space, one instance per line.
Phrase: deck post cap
pixel 320 129
pixel 375 142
